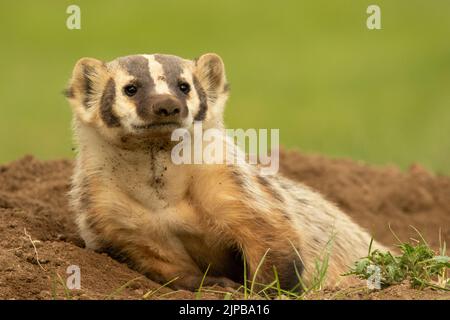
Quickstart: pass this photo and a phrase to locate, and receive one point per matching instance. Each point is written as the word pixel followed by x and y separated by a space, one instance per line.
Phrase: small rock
pixel 134 285
pixel 44 294
pixel 33 260
pixel 19 253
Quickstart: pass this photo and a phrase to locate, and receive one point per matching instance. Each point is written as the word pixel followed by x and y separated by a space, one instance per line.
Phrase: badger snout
pixel 163 108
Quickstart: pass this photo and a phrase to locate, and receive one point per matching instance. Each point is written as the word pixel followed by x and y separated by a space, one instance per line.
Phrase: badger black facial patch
pixel 172 65
pixel 106 105
pixel 201 114
pixel 137 67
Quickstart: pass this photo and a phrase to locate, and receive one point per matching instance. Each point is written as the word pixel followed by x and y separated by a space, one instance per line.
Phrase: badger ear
pixel 210 72
pixel 88 78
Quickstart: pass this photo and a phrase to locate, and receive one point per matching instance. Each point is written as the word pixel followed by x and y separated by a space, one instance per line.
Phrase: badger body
pixel 175 221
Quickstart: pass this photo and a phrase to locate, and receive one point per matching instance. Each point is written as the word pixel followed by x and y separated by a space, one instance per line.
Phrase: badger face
pixel 145 97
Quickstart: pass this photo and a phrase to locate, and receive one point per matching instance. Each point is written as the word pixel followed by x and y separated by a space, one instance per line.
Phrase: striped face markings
pixel 172 68
pixel 178 77
pixel 106 102
pixel 140 91
pixel 138 68
pixel 156 75
pixel 156 71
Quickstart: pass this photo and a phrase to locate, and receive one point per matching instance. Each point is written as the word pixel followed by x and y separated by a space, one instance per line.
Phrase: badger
pixel 173 222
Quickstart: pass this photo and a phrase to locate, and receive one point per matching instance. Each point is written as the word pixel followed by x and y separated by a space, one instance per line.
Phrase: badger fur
pixel 173 221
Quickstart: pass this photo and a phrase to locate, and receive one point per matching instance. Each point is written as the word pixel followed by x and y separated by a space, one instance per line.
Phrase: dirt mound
pixel 33 206
pixel 377 197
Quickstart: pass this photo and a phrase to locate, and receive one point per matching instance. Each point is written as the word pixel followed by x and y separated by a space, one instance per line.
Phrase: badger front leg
pixel 267 246
pixel 265 235
pixel 179 272
pixel 162 259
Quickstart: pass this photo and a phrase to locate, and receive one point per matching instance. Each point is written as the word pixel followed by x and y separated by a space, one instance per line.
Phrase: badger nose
pixel 166 110
pixel 166 106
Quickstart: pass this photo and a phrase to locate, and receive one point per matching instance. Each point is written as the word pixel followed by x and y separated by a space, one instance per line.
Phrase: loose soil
pixel 33 206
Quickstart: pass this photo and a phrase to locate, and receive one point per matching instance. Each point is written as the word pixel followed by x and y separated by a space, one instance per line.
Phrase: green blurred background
pixel 310 68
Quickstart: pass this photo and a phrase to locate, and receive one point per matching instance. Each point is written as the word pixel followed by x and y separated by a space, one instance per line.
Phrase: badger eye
pixel 130 90
pixel 184 87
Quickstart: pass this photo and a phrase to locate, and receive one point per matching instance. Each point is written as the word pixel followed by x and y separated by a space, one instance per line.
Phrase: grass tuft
pixel 417 263
pixel 57 280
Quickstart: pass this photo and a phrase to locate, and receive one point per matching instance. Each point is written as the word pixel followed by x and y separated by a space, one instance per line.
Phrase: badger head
pixel 145 97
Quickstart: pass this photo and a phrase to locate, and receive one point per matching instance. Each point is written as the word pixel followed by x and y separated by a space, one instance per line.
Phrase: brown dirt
pixel 33 203
pixel 377 197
